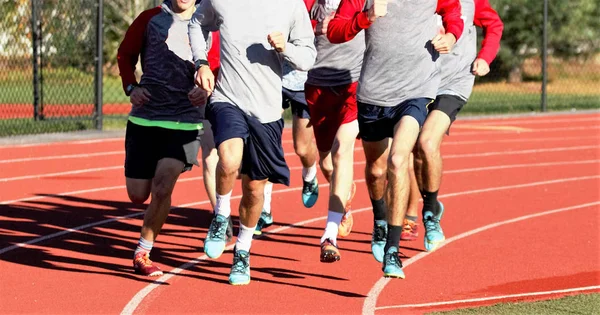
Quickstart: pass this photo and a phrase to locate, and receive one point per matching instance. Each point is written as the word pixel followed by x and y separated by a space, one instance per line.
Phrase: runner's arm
pixel 301 51
pixel 349 20
pixel 202 23
pixel 487 18
pixel 450 11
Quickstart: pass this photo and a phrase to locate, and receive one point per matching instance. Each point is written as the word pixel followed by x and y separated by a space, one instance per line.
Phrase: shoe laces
pixel 379 233
pixel 216 229
pixel 240 263
pixel 432 223
pixel 308 187
pixel 144 259
pixel 393 259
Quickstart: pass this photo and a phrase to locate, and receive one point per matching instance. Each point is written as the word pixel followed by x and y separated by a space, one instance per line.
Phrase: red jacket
pixel 487 18
pixel 214 54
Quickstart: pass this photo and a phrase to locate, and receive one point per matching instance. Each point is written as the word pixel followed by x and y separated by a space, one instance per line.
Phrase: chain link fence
pixel 49 57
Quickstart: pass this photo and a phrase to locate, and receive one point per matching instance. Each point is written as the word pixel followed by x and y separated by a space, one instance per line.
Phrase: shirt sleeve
pixel 349 20
pixel 202 23
pixel 450 11
pixel 300 51
pixel 488 19
pixel 214 54
pixel 132 45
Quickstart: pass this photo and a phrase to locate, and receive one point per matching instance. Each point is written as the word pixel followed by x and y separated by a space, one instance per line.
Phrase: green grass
pixel 13 127
pixel 577 304
pixel 487 103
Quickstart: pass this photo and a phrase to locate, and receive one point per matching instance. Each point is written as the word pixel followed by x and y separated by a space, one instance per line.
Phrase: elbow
pixel 334 37
pixel 306 65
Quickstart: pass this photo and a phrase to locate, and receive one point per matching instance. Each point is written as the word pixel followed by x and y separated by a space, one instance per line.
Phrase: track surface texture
pixel 522 198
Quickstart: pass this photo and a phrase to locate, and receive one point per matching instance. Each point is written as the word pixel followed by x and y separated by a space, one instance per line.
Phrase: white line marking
pixel 369 305
pixel 139 297
pixel 491 298
pixel 539 121
pixel 449 156
pixel 58 157
pixel 449 142
pixel 477 133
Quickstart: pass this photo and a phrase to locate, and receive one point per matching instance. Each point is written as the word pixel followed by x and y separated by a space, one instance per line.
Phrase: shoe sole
pixel 434 245
pixel 240 283
pixel 154 274
pixel 393 276
pixel 330 258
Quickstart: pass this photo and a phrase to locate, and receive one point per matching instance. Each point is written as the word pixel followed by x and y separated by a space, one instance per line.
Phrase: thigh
pixel 263 153
pixel 141 153
pixel 450 105
pixel 167 173
pixel 302 131
pixel 227 122
pixel 406 133
pixel 376 153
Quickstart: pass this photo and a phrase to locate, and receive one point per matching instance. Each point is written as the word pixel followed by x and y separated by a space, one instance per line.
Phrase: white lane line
pixel 515 140
pixel 491 298
pixel 448 156
pixel 477 133
pixel 58 157
pixel 369 305
pixel 139 297
pixel 539 121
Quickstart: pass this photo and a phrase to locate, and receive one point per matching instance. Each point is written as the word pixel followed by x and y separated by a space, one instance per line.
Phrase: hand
pixel 205 79
pixel 277 41
pixel 321 27
pixel 378 10
pixel 139 96
pixel 480 67
pixel 443 43
pixel 198 96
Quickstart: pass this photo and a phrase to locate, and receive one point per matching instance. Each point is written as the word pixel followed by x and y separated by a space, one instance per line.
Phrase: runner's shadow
pixel 96 236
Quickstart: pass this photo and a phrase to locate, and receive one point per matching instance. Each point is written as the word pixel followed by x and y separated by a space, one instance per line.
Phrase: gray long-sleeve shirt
pixel 336 64
pixel 457 78
pixel 251 70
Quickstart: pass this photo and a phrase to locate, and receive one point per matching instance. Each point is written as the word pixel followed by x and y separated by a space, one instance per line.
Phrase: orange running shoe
pixel 143 265
pixel 410 230
pixel 329 252
pixel 347 221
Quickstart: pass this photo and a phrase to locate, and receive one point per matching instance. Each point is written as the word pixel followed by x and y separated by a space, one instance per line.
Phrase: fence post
pixel 99 61
pixel 35 44
pixel 545 58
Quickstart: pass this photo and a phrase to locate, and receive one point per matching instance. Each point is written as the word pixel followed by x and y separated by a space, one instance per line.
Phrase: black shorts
pixel 449 105
pixel 377 122
pixel 145 146
pixel 292 99
pixel 263 156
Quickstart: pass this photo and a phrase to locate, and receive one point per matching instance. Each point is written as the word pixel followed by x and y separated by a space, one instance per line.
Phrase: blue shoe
pixel 240 270
pixel 215 241
pixel 434 235
pixel 392 266
pixel 265 220
pixel 310 193
pixel 378 239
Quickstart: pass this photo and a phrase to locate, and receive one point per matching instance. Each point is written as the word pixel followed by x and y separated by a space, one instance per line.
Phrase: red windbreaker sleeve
pixel 349 20
pixel 450 10
pixel 132 45
pixel 214 54
pixel 487 18
pixel 309 4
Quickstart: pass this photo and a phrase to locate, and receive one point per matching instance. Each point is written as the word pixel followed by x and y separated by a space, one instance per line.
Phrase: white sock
pixel 308 174
pixel 331 229
pixel 144 245
pixel 244 240
pixel 268 190
pixel 223 206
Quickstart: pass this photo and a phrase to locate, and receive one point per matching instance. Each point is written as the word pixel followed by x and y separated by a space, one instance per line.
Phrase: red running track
pixel 522 197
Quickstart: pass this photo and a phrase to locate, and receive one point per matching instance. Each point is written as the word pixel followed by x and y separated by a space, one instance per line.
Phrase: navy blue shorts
pixel 377 122
pixel 263 151
pixel 297 101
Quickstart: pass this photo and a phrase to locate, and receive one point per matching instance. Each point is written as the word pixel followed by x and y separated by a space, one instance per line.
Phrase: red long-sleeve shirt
pixel 351 19
pixel 487 18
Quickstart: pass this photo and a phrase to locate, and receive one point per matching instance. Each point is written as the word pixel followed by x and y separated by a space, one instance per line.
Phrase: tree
pixel 574 29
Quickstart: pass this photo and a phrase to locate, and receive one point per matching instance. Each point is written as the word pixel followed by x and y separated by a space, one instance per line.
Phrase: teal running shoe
pixel 392 266
pixel 434 235
pixel 378 239
pixel 215 241
pixel 240 270
pixel 310 193
pixel 265 220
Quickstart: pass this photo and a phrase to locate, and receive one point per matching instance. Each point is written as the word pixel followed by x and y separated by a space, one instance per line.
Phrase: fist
pixel 139 96
pixel 443 43
pixel 198 96
pixel 321 27
pixel 480 67
pixel 378 10
pixel 277 41
pixel 205 79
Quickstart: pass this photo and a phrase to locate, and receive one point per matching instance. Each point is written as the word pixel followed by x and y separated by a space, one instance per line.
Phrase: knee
pixel 301 149
pixel 427 147
pixel 161 189
pixel 326 168
pixel 398 163
pixel 229 159
pixel 255 189
pixel 138 196
pixel 375 172
pixel 210 161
